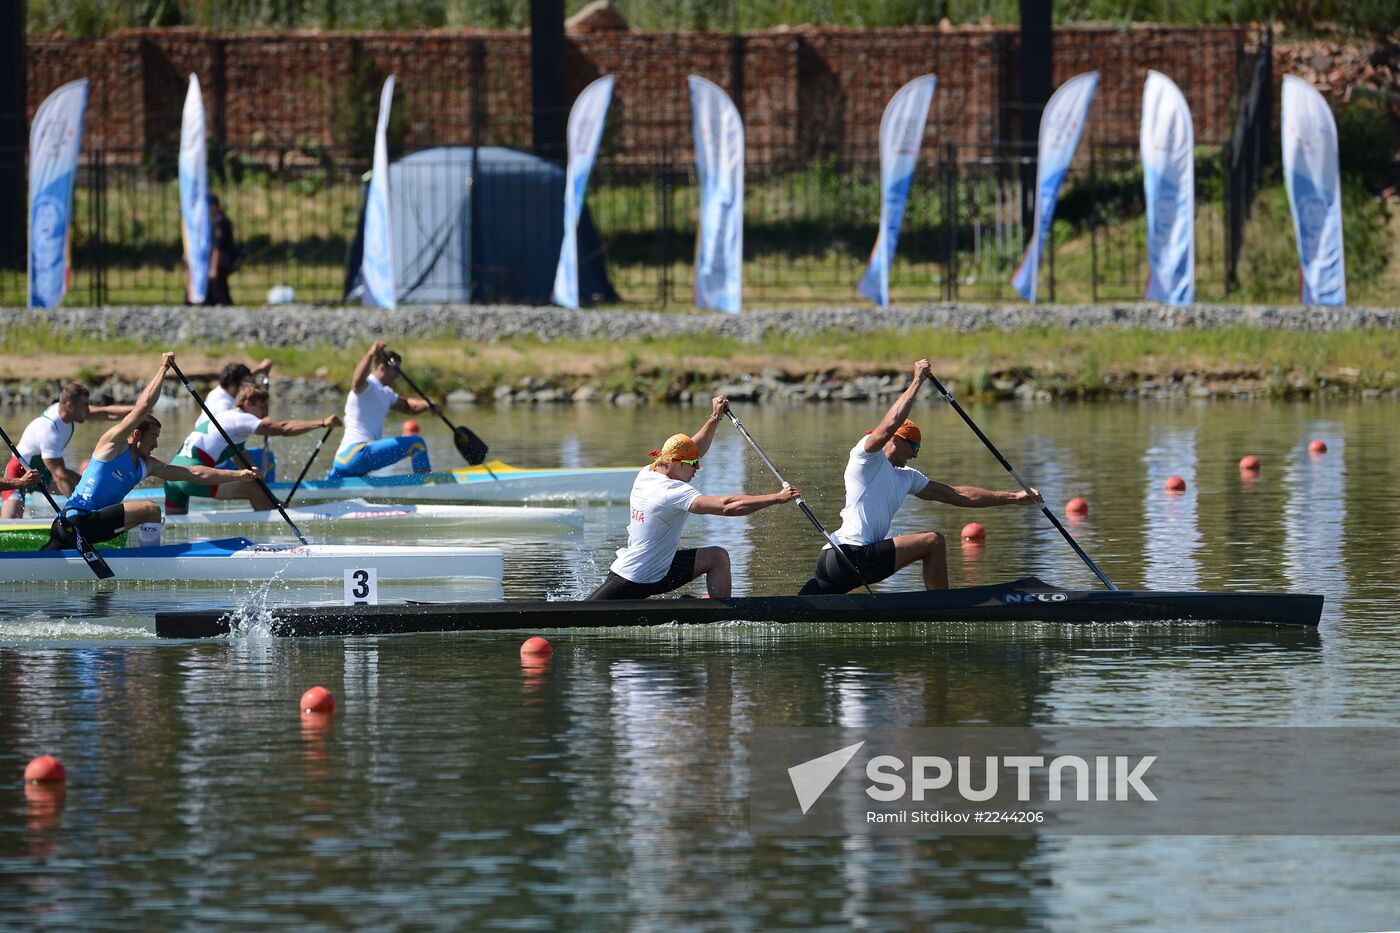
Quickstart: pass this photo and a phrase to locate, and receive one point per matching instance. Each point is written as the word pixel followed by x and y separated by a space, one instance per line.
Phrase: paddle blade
pixel 96 564
pixel 93 559
pixel 471 447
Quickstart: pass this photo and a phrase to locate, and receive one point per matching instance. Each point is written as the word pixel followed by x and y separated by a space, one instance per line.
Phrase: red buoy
pixel 318 700
pixel 1249 463
pixel 1175 484
pixel 1317 447
pixel 45 769
pixel 410 427
pixel 1076 508
pixel 974 533
pixel 536 647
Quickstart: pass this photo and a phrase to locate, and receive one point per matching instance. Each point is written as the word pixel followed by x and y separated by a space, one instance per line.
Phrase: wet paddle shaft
pixel 471 447
pixel 242 458
pixel 94 560
pixel 845 558
pixel 306 469
pixel 1017 477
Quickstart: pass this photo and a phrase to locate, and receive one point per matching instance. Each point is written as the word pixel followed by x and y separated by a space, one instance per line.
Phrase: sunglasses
pixel 913 444
pixel 695 463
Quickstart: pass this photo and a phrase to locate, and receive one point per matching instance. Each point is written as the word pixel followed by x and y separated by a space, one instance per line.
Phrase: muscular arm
pixel 271 428
pixel 974 497
pixel 362 368
pixel 898 411
pixel 702 437
pixel 110 412
pixel 412 406
pixel 113 441
pixel 740 504
pixel 64 479
pixel 24 481
pixel 197 473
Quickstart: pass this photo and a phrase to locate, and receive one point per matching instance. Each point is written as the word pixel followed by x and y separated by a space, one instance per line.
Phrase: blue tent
pixel 480 226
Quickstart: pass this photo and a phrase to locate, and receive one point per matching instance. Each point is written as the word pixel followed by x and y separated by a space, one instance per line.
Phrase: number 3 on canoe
pixel 361 586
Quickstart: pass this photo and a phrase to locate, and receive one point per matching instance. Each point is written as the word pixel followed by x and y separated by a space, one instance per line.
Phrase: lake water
pixel 457 789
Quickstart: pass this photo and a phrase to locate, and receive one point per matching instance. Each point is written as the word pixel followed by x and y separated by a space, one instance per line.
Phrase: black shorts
pixel 682 572
pixel 95 527
pixel 834 575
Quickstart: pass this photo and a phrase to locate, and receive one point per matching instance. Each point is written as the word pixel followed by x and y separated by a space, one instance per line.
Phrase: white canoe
pixel 239 559
pixel 502 483
pixel 358 513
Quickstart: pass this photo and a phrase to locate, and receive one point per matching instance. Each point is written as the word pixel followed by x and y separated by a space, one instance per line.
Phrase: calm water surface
pixel 456 789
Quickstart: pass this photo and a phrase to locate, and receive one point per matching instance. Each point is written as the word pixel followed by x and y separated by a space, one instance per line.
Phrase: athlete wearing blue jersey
pixel 122 459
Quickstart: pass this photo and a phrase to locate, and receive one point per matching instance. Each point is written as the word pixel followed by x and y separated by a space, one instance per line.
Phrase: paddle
pixel 93 559
pixel 800 504
pixel 472 448
pixel 242 457
pixel 1017 477
pixel 309 460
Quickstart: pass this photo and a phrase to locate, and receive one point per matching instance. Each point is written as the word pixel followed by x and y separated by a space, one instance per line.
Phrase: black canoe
pixel 1025 600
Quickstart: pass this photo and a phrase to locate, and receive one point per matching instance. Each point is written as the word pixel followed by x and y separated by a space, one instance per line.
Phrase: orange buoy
pixel 974 533
pixel 1249 463
pixel 536 647
pixel 1076 507
pixel 1175 484
pixel 1317 447
pixel 410 427
pixel 45 769
pixel 318 700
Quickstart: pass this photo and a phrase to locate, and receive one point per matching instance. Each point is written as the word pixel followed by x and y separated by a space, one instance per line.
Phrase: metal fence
pixel 809 227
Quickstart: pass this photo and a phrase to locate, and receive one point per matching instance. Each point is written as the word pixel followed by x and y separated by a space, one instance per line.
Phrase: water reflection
pixel 1172 535
pixel 607 787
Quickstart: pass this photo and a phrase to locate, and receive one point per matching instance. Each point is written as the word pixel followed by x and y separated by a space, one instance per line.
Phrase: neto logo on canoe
pixel 1035 597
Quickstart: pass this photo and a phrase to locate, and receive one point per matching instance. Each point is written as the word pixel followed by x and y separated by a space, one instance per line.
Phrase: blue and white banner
pixel 586 119
pixel 1314 183
pixel 719 165
pixel 901 135
pixel 377 264
pixel 1169 183
pixel 1061 125
pixel 55 138
pixel 194 196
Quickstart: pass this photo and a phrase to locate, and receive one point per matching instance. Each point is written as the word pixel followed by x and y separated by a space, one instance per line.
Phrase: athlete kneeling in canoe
pixel 121 460
pixel 877 480
pixel 205 446
pixel 662 499
pixel 364 448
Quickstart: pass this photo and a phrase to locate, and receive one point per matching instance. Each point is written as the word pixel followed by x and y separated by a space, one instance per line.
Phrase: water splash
pixel 251 618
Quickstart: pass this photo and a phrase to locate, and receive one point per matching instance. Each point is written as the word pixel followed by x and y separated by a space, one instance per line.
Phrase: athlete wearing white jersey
pixel 206 446
pixel 878 479
pixel 44 445
pixel 364 448
pixel 662 499
pixel 232 379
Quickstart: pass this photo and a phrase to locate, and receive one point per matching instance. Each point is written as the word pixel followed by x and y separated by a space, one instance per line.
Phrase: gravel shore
pixel 353 327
